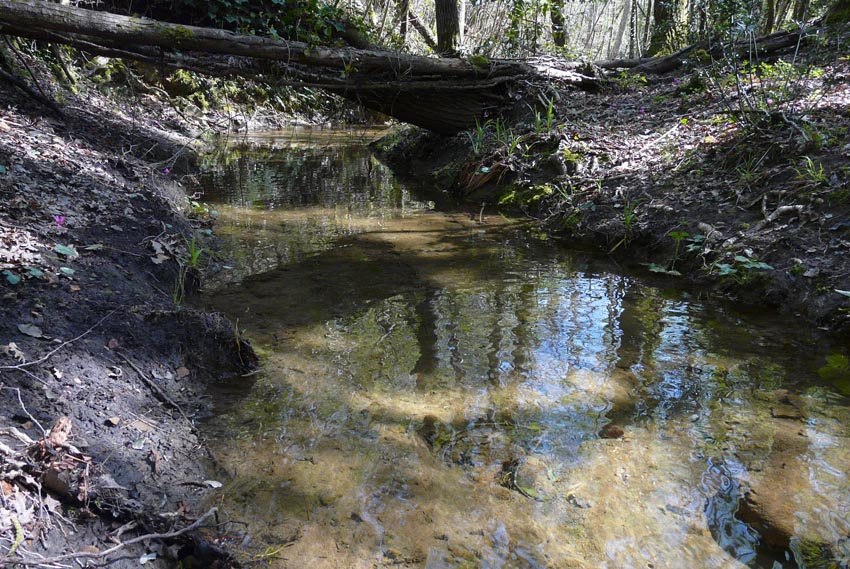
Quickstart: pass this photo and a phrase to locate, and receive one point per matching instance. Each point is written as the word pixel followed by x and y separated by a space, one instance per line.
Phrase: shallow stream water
pixel 447 388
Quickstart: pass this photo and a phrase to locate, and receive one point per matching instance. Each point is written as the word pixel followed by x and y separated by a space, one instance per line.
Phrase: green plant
pixel 199 209
pixel 178 293
pixel 747 170
pixel 477 135
pixel 306 20
pixel 193 254
pixel 743 268
pixel 630 81
pixel 678 237
pixel 543 123
pixel 630 214
pixel 812 172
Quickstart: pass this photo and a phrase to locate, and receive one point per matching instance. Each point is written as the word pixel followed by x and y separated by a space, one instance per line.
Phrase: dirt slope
pixel 93 235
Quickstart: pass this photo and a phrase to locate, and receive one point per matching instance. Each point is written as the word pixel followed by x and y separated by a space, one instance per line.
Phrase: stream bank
pixel 743 192
pixel 102 366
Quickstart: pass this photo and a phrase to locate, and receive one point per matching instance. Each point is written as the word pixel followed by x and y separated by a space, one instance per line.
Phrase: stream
pixel 445 387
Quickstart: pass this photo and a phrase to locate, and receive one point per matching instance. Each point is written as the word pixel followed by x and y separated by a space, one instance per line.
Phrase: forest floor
pixel 729 177
pixel 102 367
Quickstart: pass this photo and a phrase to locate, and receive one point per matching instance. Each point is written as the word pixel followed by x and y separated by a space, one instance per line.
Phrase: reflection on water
pixel 442 390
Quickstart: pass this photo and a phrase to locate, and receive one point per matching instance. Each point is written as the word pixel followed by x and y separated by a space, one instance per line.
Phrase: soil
pixel 102 373
pixel 654 169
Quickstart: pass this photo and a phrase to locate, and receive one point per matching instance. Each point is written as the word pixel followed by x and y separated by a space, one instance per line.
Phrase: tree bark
pixel 662 15
pixel 450 21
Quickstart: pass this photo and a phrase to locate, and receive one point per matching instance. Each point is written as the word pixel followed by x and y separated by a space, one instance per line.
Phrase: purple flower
pixel 59 219
pixel 676 82
pixel 641 110
pixel 166 171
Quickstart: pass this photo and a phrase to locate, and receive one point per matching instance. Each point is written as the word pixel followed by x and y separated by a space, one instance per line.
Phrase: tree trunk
pixel 662 15
pixel 445 95
pixel 621 30
pixel 556 14
pixel 838 13
pixel 39 19
pixel 450 20
pixel 769 16
pixel 513 40
pixel 801 10
pixel 402 11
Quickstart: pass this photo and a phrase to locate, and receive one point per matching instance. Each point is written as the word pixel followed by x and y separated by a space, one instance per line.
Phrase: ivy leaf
pixel 66 271
pixel 66 250
pixel 37 273
pixel 844 292
pixel 11 277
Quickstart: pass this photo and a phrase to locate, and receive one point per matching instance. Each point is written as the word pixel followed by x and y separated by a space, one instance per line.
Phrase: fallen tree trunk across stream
pixel 445 95
pixel 442 94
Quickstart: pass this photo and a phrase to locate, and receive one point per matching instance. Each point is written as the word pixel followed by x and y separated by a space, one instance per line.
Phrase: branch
pixel 150 383
pixel 111 550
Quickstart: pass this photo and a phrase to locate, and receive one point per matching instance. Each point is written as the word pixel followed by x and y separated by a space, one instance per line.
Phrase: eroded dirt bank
pixel 733 178
pixel 102 367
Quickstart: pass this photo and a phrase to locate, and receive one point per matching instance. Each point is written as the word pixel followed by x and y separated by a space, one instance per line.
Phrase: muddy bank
pixel 102 365
pixel 656 171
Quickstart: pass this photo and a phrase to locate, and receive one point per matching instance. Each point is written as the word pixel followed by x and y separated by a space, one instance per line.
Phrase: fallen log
pixel 412 88
pixel 763 46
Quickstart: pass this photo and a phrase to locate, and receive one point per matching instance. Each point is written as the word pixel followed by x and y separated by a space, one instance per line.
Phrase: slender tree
pixel 625 18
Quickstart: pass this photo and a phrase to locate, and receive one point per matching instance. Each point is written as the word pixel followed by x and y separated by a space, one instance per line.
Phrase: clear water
pixel 446 388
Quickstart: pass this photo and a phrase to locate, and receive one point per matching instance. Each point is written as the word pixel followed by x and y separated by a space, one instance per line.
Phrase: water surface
pixel 445 388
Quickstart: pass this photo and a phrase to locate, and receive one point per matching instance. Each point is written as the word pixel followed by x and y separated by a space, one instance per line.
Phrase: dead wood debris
pixel 32 472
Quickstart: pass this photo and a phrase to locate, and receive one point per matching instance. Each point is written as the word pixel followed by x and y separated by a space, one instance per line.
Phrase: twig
pixel 62 345
pixel 111 550
pixel 33 419
pixel 150 383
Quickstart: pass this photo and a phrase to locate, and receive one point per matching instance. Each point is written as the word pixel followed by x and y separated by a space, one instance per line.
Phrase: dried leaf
pixel 156 460
pixel 213 483
pixel 147 557
pixel 112 344
pixel 12 350
pixel 30 330
pixel 142 426
pixel 113 421
pixel 59 432
pixel 182 372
